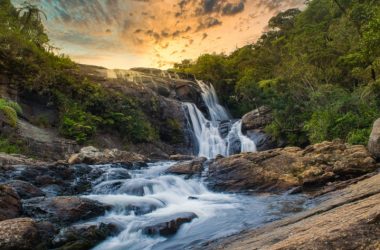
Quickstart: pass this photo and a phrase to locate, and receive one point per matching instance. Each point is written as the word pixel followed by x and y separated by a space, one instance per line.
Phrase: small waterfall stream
pixel 149 197
pixel 210 142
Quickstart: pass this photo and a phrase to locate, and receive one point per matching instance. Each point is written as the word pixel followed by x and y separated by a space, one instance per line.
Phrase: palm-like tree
pixel 30 16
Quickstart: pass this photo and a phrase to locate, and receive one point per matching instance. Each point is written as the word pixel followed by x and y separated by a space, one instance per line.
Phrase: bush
pixel 78 125
pixel 10 110
pixel 8 147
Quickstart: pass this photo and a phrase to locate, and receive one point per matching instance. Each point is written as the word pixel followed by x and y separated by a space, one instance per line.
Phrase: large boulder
pixel 345 219
pixel 20 234
pixel 169 226
pixel 253 126
pixel 25 189
pixel 83 236
pixel 10 205
pixel 282 169
pixel 257 119
pixel 191 167
pixel 92 155
pixel 63 210
pixel 374 140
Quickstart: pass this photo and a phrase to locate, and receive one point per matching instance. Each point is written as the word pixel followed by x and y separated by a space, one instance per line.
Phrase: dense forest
pixel 34 68
pixel 318 69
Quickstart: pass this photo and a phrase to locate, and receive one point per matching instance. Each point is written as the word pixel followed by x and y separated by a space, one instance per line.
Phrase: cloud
pixel 125 29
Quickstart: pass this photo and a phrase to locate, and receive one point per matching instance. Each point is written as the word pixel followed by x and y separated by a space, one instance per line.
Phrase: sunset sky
pixel 154 33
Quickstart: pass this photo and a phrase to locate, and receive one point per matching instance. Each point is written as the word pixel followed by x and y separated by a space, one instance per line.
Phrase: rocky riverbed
pixel 320 197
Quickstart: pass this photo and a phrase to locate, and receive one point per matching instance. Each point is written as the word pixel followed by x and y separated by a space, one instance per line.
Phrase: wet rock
pixel 188 167
pixel 282 169
pixel 169 226
pixel 92 155
pixel 63 210
pixel 257 119
pixel 346 219
pixel 20 234
pixel 83 236
pixel 25 189
pixel 253 126
pixel 262 140
pixel 114 174
pixel 374 140
pixel 10 205
pixel 181 157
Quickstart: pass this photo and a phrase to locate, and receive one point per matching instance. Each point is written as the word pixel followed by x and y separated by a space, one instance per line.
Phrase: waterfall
pixel 210 142
pixel 217 112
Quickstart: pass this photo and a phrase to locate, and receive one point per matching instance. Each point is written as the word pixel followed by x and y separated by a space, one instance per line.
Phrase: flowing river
pixel 146 197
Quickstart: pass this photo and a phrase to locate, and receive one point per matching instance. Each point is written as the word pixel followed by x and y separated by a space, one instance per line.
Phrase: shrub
pixel 6 146
pixel 78 125
pixel 10 110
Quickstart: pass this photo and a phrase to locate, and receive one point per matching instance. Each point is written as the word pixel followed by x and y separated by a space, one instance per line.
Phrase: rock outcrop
pixel 25 190
pixel 374 140
pixel 257 119
pixel 169 226
pixel 253 125
pixel 348 219
pixel 63 210
pixel 10 205
pixel 20 234
pixel 282 169
pixel 92 155
pixel 15 159
pixel 83 236
pixel 189 168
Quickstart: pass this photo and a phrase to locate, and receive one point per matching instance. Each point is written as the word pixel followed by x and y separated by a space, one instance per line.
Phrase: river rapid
pixel 151 197
pixel 145 199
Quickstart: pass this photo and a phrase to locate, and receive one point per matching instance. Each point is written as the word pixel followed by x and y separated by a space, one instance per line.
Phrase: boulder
pixel 253 125
pixel 179 157
pixel 20 234
pixel 10 205
pixel 257 119
pixel 92 155
pixel 345 219
pixel 374 140
pixel 63 210
pixel 282 169
pixel 25 189
pixel 188 167
pixel 83 236
pixel 16 159
pixel 169 226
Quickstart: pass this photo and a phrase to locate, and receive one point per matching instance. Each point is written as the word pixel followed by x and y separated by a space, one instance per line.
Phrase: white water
pixel 209 140
pixel 151 196
pixel 159 198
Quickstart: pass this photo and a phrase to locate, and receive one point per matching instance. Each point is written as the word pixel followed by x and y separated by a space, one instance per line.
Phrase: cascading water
pixel 146 198
pixel 151 197
pixel 209 140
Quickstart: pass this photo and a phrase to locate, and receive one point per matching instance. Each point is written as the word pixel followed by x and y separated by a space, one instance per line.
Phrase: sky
pixel 154 33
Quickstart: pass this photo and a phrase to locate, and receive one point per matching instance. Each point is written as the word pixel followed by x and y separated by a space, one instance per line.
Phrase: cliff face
pixel 160 94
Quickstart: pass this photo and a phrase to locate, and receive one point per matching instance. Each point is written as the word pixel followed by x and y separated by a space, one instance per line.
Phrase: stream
pixel 157 197
pixel 145 199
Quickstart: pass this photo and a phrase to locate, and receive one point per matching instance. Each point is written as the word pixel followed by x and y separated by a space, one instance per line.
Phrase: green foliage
pixel 8 147
pixel 78 125
pixel 317 69
pixel 10 110
pixel 85 107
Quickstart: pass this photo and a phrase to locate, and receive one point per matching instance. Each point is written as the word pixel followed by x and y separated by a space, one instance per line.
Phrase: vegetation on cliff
pixel 317 69
pixel 85 107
